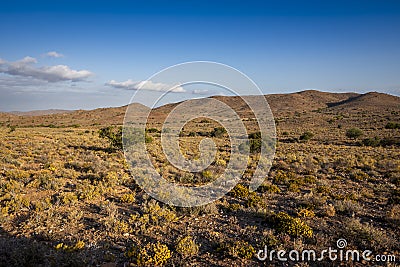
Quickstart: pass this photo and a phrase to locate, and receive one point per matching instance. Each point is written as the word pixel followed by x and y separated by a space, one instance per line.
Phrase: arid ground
pixel 68 197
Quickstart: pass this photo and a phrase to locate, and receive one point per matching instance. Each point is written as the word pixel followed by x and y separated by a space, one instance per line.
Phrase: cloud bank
pixel 146 85
pixel 26 68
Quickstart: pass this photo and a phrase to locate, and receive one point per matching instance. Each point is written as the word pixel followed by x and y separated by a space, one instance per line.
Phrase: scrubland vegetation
pixel 67 197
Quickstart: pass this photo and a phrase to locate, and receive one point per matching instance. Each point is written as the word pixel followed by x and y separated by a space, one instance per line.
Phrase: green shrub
pixel 392 125
pixel 285 178
pixel 148 139
pixel 12 128
pixel 218 132
pixel 240 191
pixel 306 136
pixel 375 141
pixel 255 143
pixel 114 135
pixel 270 188
pixel 354 133
pixel 254 200
pixel 153 130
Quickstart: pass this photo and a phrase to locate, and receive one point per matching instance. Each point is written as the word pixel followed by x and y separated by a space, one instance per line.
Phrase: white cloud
pixel 54 54
pixel 146 85
pixel 201 92
pixel 24 61
pixel 25 68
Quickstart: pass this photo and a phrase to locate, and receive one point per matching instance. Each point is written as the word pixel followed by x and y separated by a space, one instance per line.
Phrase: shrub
pixel 359 175
pixel 390 141
pixel 77 246
pixel 366 235
pixel 306 136
pixel 114 135
pixel 128 198
pixel 240 191
pixel 12 128
pixel 353 133
pixel 86 190
pixel 329 210
pixel 233 207
pixel 392 125
pixel 207 175
pixel 19 175
pixel 347 207
pixel 305 213
pixel 148 139
pixel 269 240
pixel 238 249
pixel 158 215
pixel 284 223
pixel 150 254
pixel 254 200
pixel 68 197
pixel 285 178
pixel 374 141
pixel 270 188
pixel 255 143
pixel 153 130
pixel 220 162
pixel 187 247
pixel 218 132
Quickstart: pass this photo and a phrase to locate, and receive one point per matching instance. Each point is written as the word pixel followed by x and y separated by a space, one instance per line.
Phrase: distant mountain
pixel 95 117
pixel 40 112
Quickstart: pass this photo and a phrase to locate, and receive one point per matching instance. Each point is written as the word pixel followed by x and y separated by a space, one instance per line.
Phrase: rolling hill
pixel 282 105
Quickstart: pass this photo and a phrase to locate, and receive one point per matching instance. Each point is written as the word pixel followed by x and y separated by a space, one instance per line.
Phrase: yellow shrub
pixel 128 198
pixel 284 223
pixel 150 254
pixel 187 246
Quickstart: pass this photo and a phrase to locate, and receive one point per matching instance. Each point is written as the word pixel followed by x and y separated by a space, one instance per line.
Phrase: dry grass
pixel 67 199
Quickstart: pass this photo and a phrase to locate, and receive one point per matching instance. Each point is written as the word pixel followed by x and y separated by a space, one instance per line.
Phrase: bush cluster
pixel 149 255
pixel 295 227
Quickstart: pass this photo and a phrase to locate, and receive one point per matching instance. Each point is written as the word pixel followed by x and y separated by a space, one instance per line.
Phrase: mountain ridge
pixel 280 104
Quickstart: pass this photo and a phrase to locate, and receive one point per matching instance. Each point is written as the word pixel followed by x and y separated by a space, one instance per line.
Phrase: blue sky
pixel 104 49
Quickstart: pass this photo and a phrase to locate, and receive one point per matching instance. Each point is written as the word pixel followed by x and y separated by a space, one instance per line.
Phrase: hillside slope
pixel 282 105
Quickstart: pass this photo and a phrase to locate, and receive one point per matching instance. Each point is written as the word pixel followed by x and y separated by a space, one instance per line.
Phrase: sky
pixel 89 54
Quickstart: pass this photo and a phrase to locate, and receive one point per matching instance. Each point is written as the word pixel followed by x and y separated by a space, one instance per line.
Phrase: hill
pixel 282 105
